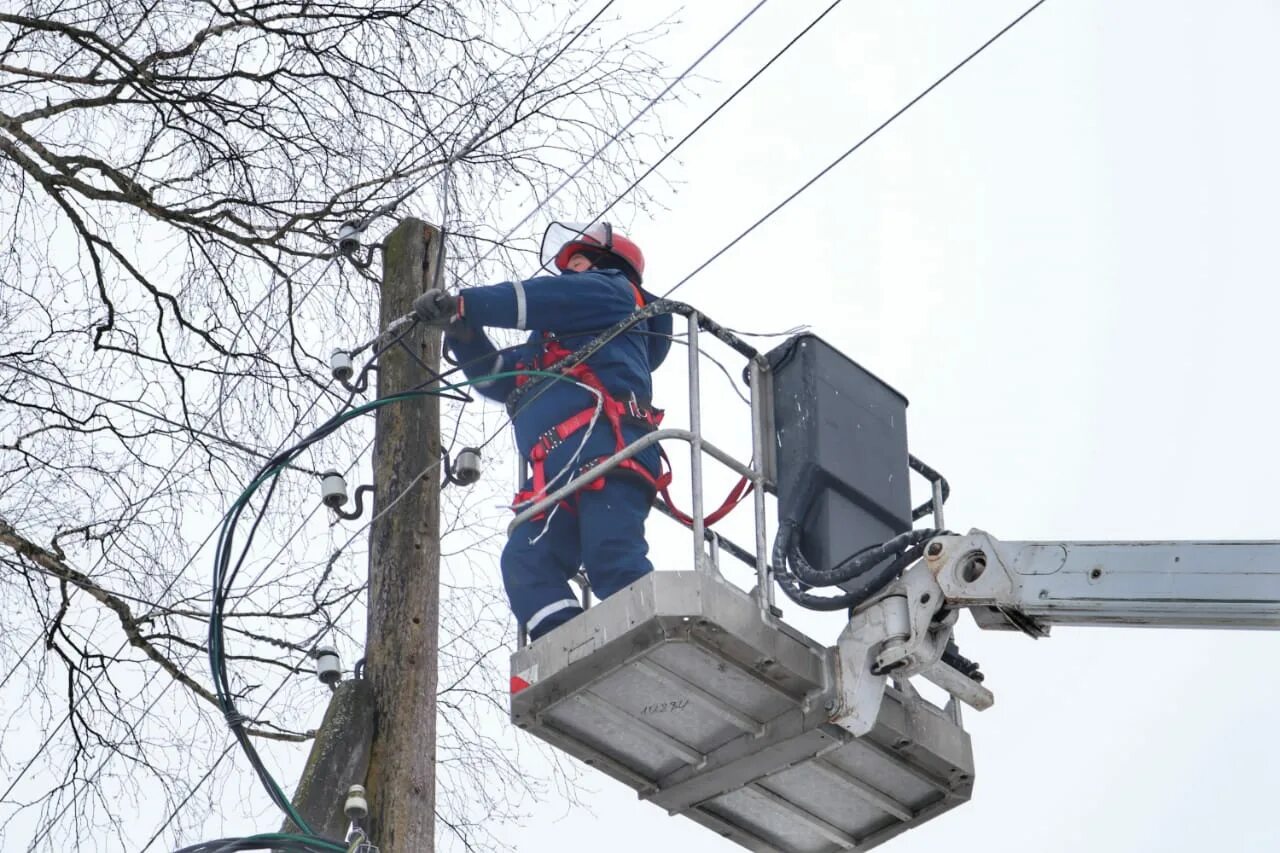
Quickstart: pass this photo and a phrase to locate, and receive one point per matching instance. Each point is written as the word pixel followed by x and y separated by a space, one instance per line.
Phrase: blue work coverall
pixel 603 530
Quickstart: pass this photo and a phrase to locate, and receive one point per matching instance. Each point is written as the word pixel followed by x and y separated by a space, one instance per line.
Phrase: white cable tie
pixel 546 524
pixel 572 465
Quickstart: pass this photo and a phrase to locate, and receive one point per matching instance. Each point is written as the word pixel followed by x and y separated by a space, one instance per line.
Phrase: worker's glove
pixel 436 308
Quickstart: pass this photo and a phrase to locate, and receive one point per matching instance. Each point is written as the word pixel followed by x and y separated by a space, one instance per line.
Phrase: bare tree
pixel 174 173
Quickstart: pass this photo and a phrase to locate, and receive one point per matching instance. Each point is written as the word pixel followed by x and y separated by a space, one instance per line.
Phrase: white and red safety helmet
pixel 563 240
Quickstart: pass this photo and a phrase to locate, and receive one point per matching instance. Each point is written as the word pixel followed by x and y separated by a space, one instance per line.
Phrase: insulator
pixel 328 666
pixel 341 365
pixel 357 807
pixel 466 466
pixel 349 237
pixel 333 489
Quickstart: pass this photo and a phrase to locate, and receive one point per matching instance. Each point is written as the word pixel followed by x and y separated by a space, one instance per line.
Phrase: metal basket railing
pixel 706 544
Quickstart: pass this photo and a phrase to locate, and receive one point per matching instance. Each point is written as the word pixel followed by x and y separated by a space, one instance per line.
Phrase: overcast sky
pixel 1065 257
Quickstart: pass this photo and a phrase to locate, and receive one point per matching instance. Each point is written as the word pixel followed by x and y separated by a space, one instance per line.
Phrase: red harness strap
pixel 736 494
pixel 613 410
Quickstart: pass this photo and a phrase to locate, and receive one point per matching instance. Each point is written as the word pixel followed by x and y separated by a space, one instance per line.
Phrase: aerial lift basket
pixel 697 695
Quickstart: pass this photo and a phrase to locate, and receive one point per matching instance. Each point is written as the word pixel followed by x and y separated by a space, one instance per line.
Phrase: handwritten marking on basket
pixel 665 707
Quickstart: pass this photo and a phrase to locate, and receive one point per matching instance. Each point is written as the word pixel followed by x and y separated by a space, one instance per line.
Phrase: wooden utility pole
pixel 387 721
pixel 404 562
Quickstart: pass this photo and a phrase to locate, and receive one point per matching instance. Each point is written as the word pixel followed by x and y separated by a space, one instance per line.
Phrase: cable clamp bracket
pixel 235 719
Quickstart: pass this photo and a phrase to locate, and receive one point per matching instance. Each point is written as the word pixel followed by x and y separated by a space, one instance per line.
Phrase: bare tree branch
pixel 173 174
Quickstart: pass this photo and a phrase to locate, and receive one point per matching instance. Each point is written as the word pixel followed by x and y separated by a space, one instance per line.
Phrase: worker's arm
pixel 479 358
pixel 563 304
pixel 661 328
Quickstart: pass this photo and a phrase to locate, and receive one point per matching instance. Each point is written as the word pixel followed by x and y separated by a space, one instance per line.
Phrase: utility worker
pixel 565 425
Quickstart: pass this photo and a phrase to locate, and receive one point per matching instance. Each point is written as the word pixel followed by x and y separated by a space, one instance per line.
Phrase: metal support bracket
pixel 902 633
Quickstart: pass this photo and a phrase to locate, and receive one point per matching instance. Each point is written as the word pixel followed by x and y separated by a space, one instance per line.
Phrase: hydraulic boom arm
pixel 1032 586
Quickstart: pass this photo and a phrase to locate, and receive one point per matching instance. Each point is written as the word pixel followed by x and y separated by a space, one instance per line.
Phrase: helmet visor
pixel 559 233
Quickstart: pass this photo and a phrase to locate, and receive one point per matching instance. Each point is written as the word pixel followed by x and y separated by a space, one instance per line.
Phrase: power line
pixel 191 793
pixel 711 115
pixel 617 134
pixel 935 84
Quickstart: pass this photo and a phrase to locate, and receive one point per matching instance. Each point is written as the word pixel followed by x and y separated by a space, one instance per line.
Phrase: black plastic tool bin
pixel 840 444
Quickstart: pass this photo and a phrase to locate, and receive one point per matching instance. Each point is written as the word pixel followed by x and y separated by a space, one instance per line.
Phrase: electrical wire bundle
pixel 225 570
pixel 860 575
pixel 269 841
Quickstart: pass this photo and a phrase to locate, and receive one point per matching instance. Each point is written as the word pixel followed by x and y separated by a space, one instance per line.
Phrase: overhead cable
pixel 935 84
pixel 616 135
pixel 711 115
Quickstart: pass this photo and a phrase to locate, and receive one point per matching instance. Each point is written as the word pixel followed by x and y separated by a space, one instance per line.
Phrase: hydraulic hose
pixel 793 589
pixel 786 548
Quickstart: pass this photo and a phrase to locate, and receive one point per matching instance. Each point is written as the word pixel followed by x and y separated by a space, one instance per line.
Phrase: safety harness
pixel 633 412
pixel 615 411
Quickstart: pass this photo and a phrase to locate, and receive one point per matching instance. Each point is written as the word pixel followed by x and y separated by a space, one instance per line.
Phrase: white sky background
pixel 1065 258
